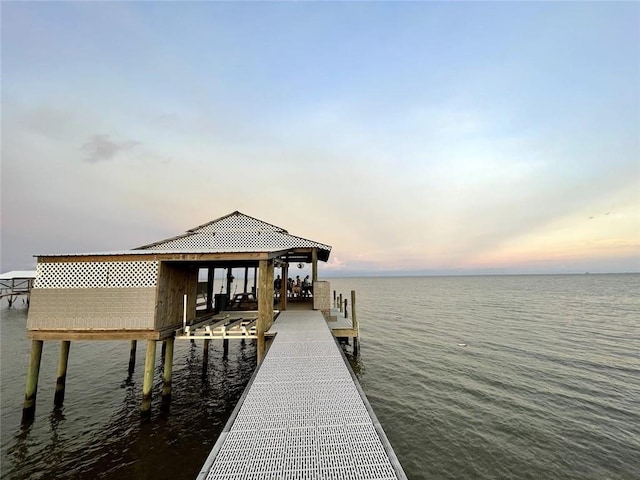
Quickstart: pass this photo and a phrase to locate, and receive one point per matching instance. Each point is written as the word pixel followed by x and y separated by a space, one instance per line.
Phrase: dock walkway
pixel 303 415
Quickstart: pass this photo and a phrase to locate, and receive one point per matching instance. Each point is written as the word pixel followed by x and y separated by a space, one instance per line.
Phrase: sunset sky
pixel 412 137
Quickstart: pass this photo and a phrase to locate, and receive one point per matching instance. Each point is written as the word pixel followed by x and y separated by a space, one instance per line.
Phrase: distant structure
pixel 150 292
pixel 15 284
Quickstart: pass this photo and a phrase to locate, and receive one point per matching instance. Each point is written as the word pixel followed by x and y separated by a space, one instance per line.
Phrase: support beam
pixel 354 323
pixel 210 277
pixel 29 408
pixel 167 375
pixel 255 279
pixel 132 356
pixel 229 281
pixel 283 288
pixel 147 385
pixel 205 353
pixel 314 263
pixel 265 304
pixel 246 278
pixel 61 379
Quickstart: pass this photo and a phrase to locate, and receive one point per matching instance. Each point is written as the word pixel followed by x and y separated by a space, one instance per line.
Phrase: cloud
pixel 102 148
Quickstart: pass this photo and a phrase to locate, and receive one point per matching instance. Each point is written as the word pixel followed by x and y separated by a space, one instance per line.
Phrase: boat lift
pixel 223 325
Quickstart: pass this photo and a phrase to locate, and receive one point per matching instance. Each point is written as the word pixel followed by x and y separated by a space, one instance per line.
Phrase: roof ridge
pixel 209 228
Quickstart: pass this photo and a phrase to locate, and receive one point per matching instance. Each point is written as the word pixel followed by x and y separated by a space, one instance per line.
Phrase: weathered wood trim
pixel 265 304
pixel 97 334
pixel 344 332
pixel 314 265
pixel 169 257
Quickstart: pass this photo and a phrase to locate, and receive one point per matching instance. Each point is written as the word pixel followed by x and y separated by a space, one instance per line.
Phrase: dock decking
pixel 303 415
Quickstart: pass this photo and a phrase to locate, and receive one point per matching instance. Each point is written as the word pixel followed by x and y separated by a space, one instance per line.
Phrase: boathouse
pixel 150 292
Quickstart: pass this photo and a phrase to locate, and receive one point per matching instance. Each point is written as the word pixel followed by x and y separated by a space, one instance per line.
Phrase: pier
pixel 303 414
pixel 15 284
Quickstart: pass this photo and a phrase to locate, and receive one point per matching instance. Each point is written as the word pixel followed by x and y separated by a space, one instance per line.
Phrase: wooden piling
pixel 225 347
pixel 167 374
pixel 61 379
pixel 340 302
pixel 205 353
pixel 354 323
pixel 147 385
pixel 345 308
pixel 29 408
pixel 132 356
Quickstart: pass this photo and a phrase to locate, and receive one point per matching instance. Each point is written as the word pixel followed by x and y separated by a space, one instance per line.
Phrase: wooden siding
pixel 174 281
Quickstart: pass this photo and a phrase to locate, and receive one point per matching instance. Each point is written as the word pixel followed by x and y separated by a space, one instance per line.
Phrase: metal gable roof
pixel 237 232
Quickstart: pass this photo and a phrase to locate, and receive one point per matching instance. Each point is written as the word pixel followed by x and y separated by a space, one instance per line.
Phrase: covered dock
pixel 150 292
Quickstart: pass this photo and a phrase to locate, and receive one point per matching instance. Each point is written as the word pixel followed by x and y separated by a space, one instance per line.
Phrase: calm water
pixel 548 385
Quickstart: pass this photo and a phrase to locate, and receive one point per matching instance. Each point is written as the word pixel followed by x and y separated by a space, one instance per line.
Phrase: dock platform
pixel 16 283
pixel 303 415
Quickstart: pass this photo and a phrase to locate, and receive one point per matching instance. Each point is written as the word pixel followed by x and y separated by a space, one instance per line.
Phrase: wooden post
pixel 345 307
pixel 270 277
pixel 61 379
pixel 334 299
pixel 229 275
pixel 225 347
pixel 354 323
pixel 265 304
pixel 340 302
pixel 147 385
pixel 163 351
pixel 205 353
pixel 255 279
pixel 29 408
pixel 314 264
pixel 283 288
pixel 210 277
pixel 246 279
pixel 132 356
pixel 167 374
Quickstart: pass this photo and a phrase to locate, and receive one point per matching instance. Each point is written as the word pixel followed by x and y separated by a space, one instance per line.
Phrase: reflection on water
pixel 98 433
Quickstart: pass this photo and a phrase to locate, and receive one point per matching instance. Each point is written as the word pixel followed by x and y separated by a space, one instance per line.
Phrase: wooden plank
pixel 345 332
pixel 168 257
pixel 96 334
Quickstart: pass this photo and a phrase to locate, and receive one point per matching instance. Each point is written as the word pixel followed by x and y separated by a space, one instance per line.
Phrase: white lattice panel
pixel 96 275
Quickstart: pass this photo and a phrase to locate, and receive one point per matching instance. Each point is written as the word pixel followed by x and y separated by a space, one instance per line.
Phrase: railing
pixel 341 304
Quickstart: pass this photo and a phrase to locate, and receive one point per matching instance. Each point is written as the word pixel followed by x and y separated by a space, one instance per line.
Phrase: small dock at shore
pixel 303 414
pixel 15 284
